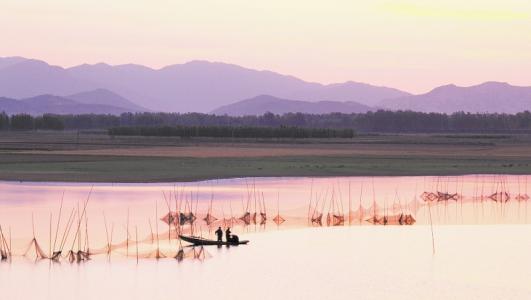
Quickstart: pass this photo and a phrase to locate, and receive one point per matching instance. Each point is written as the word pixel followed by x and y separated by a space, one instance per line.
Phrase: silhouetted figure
pixel 231 238
pixel 234 239
pixel 219 233
pixel 227 234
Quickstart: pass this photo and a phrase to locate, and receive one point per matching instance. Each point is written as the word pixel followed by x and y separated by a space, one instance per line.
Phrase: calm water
pixel 482 246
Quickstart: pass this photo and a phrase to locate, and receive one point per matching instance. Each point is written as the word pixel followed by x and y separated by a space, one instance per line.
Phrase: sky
pixel 411 45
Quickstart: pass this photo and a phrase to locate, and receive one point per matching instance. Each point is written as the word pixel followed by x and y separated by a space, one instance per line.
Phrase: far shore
pixel 68 157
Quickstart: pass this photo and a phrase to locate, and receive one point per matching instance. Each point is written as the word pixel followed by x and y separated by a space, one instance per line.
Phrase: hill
pixel 106 97
pixel 487 97
pixel 266 103
pixel 55 105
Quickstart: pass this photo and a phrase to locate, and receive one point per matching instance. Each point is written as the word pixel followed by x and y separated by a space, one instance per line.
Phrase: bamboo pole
pixel 67 230
pixel 80 217
pixel 151 230
pixel 106 234
pixel 58 221
pixel 127 235
pixel 431 227
pixel 50 244
pixel 87 246
pixel 110 245
pixel 157 229
pixel 136 242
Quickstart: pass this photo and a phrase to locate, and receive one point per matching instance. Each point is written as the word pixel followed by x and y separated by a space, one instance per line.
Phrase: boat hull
pixel 197 241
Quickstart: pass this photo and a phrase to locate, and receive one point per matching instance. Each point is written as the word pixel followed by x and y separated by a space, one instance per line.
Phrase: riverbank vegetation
pixel 380 121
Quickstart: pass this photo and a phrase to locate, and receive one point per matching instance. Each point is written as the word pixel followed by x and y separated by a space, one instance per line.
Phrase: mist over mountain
pixel 266 103
pixel 493 97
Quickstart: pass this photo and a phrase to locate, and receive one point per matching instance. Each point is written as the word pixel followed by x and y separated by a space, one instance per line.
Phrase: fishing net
pixel 246 218
pixel 447 196
pixel 5 251
pixel 34 250
pixel 338 220
pixel 521 197
pixel 429 196
pixel 400 219
pixel 278 220
pixel 263 218
pixel 317 219
pixel 209 219
pixel 500 197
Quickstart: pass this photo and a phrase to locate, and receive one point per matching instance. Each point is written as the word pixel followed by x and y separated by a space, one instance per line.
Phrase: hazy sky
pixel 413 45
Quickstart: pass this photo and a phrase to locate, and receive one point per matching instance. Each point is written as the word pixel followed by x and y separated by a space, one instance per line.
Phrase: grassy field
pixel 96 157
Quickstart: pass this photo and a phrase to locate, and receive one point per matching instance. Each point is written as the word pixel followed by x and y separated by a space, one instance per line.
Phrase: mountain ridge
pixel 104 97
pixel 487 97
pixel 262 104
pixel 195 86
pixel 51 104
pixel 203 86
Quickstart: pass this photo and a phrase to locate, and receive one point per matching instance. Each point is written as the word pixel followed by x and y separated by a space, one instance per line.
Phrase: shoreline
pixel 67 157
pixel 207 179
pixel 134 169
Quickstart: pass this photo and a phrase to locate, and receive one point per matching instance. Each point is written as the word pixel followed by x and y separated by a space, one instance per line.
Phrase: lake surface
pixel 477 226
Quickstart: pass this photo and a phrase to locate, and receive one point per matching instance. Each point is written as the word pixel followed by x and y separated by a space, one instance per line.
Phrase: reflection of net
pixel 521 197
pixel 278 220
pixel 500 197
pixel 155 254
pixel 174 218
pixel 263 218
pixel 210 219
pixel 246 218
pixel 439 196
pixel 335 220
pixel 401 219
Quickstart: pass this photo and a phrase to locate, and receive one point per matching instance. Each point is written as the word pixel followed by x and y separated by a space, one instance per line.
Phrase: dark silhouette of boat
pixel 199 241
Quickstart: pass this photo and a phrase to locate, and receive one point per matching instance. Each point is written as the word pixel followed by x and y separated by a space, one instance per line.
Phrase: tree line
pixel 378 121
pixel 29 122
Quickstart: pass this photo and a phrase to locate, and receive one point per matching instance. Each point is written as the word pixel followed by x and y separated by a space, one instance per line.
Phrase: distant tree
pixel 4 121
pixel 197 124
pixel 22 122
pixel 49 122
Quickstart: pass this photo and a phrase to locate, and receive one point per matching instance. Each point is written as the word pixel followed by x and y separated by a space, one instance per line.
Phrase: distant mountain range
pixel 106 97
pixel 487 97
pixel 197 86
pixel 75 104
pixel 265 103
pixel 201 86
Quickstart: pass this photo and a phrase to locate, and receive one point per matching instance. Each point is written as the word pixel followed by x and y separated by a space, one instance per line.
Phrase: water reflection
pixel 75 222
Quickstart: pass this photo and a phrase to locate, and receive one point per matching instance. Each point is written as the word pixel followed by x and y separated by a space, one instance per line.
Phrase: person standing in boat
pixel 227 234
pixel 219 233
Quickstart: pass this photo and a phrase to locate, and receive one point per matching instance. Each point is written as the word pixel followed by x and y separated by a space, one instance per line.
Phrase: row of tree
pixel 378 121
pixel 234 131
pixel 28 122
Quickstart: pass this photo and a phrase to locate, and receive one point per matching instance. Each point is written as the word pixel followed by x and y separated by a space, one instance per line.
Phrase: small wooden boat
pixel 199 241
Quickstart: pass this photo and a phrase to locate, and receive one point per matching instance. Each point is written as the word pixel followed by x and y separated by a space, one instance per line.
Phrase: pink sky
pixel 412 45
